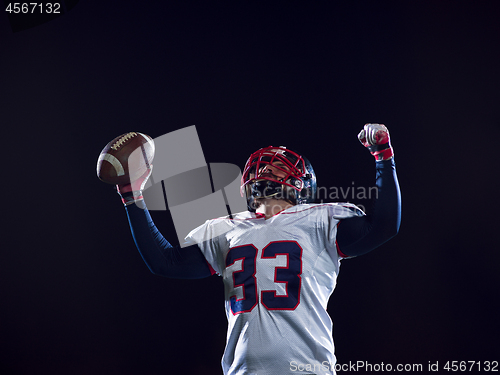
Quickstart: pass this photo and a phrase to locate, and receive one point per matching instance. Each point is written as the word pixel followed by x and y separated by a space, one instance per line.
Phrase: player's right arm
pixel 160 256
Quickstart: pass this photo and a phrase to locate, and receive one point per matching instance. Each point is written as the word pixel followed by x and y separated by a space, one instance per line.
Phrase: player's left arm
pixel 162 258
pixel 359 235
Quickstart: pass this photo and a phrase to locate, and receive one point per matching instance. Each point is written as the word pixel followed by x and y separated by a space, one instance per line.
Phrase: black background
pixel 75 296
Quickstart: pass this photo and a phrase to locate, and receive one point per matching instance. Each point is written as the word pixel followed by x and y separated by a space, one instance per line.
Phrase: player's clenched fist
pixel 375 137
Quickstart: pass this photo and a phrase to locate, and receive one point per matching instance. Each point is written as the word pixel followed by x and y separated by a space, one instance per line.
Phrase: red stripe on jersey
pixel 212 271
pixel 257 216
pixel 341 254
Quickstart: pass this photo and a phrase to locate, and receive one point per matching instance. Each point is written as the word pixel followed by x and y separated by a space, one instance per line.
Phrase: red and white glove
pixel 132 192
pixel 375 137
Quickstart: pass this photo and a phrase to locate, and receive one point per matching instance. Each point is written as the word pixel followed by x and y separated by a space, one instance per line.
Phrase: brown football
pixel 125 158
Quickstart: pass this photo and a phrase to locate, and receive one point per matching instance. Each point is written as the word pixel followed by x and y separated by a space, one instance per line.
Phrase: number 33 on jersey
pixel 279 262
pixel 278 276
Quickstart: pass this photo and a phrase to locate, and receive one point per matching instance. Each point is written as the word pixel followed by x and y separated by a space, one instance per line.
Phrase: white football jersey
pixel 278 276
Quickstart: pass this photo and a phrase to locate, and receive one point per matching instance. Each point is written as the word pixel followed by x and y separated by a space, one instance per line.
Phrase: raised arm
pixel 359 235
pixel 159 255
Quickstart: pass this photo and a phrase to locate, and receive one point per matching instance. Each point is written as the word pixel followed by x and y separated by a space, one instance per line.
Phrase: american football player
pixel 280 259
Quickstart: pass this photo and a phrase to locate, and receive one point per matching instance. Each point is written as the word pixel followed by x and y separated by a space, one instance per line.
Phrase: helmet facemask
pixel 293 171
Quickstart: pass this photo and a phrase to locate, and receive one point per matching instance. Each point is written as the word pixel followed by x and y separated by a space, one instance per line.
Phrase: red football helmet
pixel 298 184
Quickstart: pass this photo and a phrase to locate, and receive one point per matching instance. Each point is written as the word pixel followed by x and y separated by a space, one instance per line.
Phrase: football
pixel 125 158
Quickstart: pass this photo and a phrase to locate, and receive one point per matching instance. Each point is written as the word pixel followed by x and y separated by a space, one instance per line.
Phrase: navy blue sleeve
pixel 159 255
pixel 359 235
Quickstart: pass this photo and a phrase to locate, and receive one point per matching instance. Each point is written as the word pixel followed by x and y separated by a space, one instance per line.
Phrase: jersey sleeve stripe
pixel 212 271
pixel 341 254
